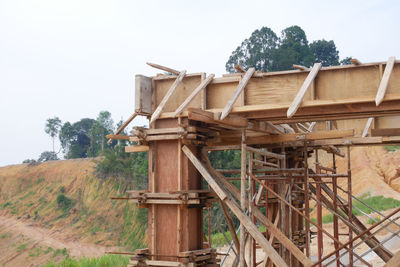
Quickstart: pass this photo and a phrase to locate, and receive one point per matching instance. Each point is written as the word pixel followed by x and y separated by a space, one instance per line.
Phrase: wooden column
pixel 172 228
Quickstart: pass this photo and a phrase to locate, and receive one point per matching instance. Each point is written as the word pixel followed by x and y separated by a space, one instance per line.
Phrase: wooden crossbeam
pixel 160 67
pixel 239 69
pixel 167 96
pixel 385 81
pixel 300 67
pixel 195 92
pixel 239 89
pixel 245 220
pixel 212 118
pixel 355 61
pixel 265 153
pixel 122 127
pixel 134 149
pixel 303 90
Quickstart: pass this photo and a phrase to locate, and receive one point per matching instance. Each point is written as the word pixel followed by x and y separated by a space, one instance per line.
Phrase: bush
pixel 103 261
pixel 64 203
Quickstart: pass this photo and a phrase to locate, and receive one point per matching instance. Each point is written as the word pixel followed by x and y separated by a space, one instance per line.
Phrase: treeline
pixel 265 51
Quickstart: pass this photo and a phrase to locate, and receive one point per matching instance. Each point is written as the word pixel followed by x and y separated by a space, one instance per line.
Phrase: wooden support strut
pixel 160 67
pixel 239 89
pixel 195 92
pixel 385 81
pixel 167 96
pixel 258 214
pixel 303 90
pixel 123 126
pixel 247 223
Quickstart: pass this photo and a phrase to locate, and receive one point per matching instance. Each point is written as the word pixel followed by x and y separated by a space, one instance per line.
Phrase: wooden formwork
pixel 277 120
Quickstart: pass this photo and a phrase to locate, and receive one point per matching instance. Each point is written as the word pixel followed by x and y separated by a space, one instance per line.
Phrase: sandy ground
pixel 25 237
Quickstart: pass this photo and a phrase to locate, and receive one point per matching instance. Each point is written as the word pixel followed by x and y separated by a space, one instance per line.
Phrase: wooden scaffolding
pixel 280 122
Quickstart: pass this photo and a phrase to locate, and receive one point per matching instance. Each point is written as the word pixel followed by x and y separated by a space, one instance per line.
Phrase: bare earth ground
pixel 28 239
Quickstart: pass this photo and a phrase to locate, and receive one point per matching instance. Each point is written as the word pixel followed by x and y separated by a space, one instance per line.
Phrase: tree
pixel 325 52
pixel 266 52
pixel 257 51
pixel 75 139
pixel 52 128
pixel 293 49
pixel 346 61
pixel 101 127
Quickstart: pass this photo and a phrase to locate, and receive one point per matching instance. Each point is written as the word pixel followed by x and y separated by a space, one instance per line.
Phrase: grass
pixel 21 247
pixel 392 148
pixel 103 261
pixel 379 203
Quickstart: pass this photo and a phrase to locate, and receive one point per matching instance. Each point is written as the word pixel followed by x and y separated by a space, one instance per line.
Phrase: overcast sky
pixel 74 58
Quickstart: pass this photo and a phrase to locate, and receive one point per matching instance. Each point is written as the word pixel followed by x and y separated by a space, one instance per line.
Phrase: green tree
pixel 325 52
pixel 257 51
pixel 101 127
pixel 75 138
pixel 293 49
pixel 52 128
pixel 346 61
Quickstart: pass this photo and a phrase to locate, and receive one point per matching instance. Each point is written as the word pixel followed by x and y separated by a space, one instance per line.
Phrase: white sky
pixel 74 58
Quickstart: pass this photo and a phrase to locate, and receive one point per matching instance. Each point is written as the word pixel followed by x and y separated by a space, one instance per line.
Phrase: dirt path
pixel 18 239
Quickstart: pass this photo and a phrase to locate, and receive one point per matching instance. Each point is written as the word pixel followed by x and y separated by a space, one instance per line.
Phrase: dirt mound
pixel 58 209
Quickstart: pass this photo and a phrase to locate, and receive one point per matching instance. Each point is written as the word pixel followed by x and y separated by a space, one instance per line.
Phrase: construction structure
pixel 281 122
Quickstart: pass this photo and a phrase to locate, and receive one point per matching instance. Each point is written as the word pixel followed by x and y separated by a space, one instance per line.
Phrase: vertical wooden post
pixel 306 199
pixel 242 261
pixel 350 204
pixel 335 217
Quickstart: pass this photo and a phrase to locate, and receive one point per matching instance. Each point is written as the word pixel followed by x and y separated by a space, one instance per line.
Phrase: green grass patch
pixel 103 261
pixel 21 247
pixel 392 148
pixel 379 203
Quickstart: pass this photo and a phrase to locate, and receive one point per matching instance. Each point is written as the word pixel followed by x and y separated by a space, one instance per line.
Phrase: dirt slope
pixel 34 228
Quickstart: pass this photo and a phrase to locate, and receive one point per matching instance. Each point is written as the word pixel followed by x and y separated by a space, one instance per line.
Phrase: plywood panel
pixel 388 122
pixel 394 81
pixel 219 94
pixel 347 83
pixel 275 89
pixel 182 92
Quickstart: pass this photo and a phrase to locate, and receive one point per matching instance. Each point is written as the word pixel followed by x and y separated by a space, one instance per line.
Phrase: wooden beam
pixel 239 69
pixel 195 92
pixel 386 132
pixel 303 90
pixel 385 81
pixel 160 67
pixel 116 137
pixel 210 117
pixel 245 220
pixel 300 67
pixel 239 89
pixel 231 227
pixel 167 96
pixel 367 126
pixel 134 149
pixel 219 191
pixel 265 153
pixel 355 61
pixel 284 138
pixel 122 127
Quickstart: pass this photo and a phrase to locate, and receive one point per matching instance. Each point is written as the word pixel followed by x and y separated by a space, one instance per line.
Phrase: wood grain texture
pixel 242 84
pixel 303 90
pixel 385 81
